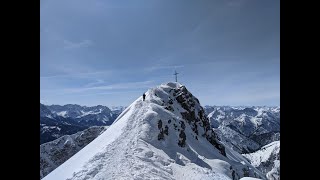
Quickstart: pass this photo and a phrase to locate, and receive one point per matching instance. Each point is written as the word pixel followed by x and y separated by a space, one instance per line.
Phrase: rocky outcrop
pixel 196 118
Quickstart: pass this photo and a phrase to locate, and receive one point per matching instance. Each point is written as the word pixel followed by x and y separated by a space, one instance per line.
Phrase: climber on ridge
pixel 144 96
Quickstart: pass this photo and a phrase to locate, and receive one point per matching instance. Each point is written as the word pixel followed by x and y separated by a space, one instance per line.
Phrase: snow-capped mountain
pixel 51 129
pixel 245 129
pixel 94 116
pixel 57 121
pixel 45 112
pixel 54 153
pixel 267 159
pixel 250 129
pixel 167 136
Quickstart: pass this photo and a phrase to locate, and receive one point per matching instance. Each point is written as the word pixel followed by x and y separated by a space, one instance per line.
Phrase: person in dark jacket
pixel 144 96
pixel 233 175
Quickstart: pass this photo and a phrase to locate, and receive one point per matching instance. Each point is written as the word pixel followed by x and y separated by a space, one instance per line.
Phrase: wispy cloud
pixel 117 86
pixel 154 68
pixel 110 93
pixel 86 74
pixel 129 85
pixel 95 83
pixel 73 45
pixel 209 61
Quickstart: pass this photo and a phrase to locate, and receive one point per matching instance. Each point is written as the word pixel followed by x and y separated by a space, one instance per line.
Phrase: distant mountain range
pixel 57 120
pixel 245 129
pixel 253 132
pixel 56 152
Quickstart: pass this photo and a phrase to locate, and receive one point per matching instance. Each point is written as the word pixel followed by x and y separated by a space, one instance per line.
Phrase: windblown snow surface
pixel 130 148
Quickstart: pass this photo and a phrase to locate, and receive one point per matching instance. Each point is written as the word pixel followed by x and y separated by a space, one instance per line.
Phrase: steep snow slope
pixel 167 136
pixel 267 159
pixel 54 153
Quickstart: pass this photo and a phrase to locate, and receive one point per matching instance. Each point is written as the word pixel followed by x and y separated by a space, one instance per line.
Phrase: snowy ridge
pixel 165 137
pixel 267 159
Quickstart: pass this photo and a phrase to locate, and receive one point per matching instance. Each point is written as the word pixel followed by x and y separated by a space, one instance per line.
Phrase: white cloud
pixel 73 45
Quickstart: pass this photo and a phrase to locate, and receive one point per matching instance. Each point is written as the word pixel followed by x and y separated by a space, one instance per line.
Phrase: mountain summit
pixel 167 136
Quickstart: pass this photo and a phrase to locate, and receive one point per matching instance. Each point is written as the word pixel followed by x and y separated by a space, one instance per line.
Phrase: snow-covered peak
pixel 167 136
pixel 171 85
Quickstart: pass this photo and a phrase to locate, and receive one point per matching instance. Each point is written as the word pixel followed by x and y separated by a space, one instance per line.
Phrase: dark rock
pixel 159 124
pixel 184 105
pixel 183 126
pixel 160 136
pixel 182 139
pixel 169 108
pixel 195 128
pixel 197 100
pixel 245 172
pixel 180 99
pixel 175 126
pixel 166 130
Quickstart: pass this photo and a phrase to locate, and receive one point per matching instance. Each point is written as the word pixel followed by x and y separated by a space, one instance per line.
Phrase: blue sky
pixel 109 52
